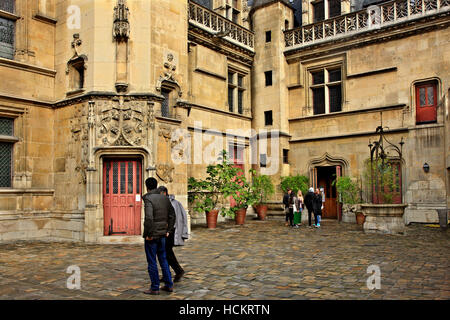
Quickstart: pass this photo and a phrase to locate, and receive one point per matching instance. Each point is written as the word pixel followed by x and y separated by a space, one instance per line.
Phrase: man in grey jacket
pixel 176 237
pixel 159 220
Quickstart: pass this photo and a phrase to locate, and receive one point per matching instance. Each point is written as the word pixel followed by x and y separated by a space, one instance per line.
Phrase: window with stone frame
pixel 76 69
pixel 205 3
pixel 165 107
pixel 6 151
pixel 326 90
pixel 236 91
pixel 268 78
pixel 268 118
pixel 325 9
pixel 7 30
pixel 263 160
pixel 169 92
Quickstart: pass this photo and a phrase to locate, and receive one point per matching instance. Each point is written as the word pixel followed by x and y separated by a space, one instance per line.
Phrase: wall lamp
pixel 426 167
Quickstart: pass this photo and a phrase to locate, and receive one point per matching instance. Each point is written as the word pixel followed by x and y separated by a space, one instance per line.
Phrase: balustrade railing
pixel 216 23
pixel 374 17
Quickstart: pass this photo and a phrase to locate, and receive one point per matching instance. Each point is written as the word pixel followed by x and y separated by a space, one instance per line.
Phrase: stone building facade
pixel 96 96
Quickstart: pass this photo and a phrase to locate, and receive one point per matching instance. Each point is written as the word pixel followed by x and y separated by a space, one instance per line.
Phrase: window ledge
pixel 4 138
pixel 74 92
pixel 31 190
pixel 9 15
pixel 27 67
pixel 44 18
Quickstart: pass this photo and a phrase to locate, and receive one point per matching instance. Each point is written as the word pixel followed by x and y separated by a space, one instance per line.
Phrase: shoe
pixel 151 292
pixel 286 224
pixel 296 226
pixel 166 288
pixel 178 276
pixel 318 225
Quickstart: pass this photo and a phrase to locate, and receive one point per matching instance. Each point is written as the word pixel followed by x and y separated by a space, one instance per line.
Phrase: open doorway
pixel 325 177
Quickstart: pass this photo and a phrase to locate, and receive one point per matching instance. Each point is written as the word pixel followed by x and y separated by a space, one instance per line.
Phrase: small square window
pixel 268 36
pixel 268 76
pixel 262 160
pixel 268 120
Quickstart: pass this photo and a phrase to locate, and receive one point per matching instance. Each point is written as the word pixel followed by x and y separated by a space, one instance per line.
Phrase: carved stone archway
pixel 94 188
pixel 327 160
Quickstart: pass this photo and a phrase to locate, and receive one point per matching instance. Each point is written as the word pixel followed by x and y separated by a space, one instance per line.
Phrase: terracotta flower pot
pixel 261 210
pixel 360 218
pixel 211 219
pixel 240 216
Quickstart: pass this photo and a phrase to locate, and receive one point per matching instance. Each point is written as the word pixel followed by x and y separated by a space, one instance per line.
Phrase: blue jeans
pixel 153 248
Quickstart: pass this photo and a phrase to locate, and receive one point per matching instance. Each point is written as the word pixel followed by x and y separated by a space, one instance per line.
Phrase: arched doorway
pixel 323 172
pixel 122 189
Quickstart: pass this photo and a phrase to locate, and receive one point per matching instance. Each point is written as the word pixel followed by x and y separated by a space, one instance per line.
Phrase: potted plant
pixel 263 188
pixel 204 198
pixel 348 192
pixel 244 195
pixel 205 195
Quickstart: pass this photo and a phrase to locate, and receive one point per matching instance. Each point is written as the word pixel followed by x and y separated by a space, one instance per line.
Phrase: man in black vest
pixel 159 220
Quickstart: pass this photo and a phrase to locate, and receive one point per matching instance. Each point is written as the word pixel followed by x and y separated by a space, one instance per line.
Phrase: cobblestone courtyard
pixel 260 260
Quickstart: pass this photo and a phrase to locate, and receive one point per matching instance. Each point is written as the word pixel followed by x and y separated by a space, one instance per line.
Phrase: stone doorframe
pixel 94 216
pixel 327 160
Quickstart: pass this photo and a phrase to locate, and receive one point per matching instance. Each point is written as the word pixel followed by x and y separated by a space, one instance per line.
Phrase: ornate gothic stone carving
pixel 164 168
pixel 125 123
pixel 164 171
pixel 80 135
pixel 169 74
pixel 121 27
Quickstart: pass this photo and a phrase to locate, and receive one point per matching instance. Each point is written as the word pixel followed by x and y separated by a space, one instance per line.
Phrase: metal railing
pixel 374 17
pixel 219 25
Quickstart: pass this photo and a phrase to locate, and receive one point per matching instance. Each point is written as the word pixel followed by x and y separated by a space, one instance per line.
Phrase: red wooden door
pixel 122 203
pixel 426 102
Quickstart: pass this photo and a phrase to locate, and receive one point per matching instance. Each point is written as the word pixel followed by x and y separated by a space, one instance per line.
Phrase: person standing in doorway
pixel 309 204
pixel 286 198
pixel 176 236
pixel 317 207
pixel 159 220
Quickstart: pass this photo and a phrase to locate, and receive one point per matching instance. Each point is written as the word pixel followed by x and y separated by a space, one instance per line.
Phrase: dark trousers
pixel 171 259
pixel 157 248
pixel 310 211
pixel 290 216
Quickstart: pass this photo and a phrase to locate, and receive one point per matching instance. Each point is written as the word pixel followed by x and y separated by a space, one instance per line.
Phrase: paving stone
pixel 257 261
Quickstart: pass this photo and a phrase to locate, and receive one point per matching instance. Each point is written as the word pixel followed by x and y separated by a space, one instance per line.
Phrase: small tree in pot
pixel 263 188
pixel 244 195
pixel 204 197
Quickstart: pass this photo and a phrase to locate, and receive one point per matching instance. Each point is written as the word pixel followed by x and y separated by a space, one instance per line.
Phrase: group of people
pixel 165 226
pixel 295 204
